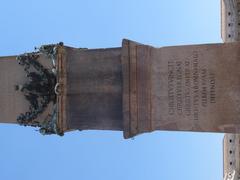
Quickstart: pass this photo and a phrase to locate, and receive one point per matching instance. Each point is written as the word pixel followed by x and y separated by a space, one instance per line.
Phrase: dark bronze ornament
pixel 39 90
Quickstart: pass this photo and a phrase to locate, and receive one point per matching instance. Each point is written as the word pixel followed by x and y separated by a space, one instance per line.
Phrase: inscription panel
pixel 196 88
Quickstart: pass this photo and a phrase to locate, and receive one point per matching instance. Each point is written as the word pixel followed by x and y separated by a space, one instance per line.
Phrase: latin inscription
pixel 191 86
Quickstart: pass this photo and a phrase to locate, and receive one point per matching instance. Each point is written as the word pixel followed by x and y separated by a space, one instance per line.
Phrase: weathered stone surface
pixel 138 88
pixel 186 88
pixel 94 89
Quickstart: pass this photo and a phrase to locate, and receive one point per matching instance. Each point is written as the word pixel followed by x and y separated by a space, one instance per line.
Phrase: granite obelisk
pixel 135 88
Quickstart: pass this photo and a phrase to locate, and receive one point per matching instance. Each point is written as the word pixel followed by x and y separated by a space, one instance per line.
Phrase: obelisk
pixel 135 88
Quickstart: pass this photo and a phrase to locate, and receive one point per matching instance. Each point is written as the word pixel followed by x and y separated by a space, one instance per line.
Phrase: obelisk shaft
pixel 11 103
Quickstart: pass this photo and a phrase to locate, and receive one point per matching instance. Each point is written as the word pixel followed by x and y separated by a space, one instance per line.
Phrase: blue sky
pixel 103 155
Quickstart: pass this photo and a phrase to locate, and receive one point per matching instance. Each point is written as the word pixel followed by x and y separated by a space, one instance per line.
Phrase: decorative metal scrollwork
pixel 39 90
